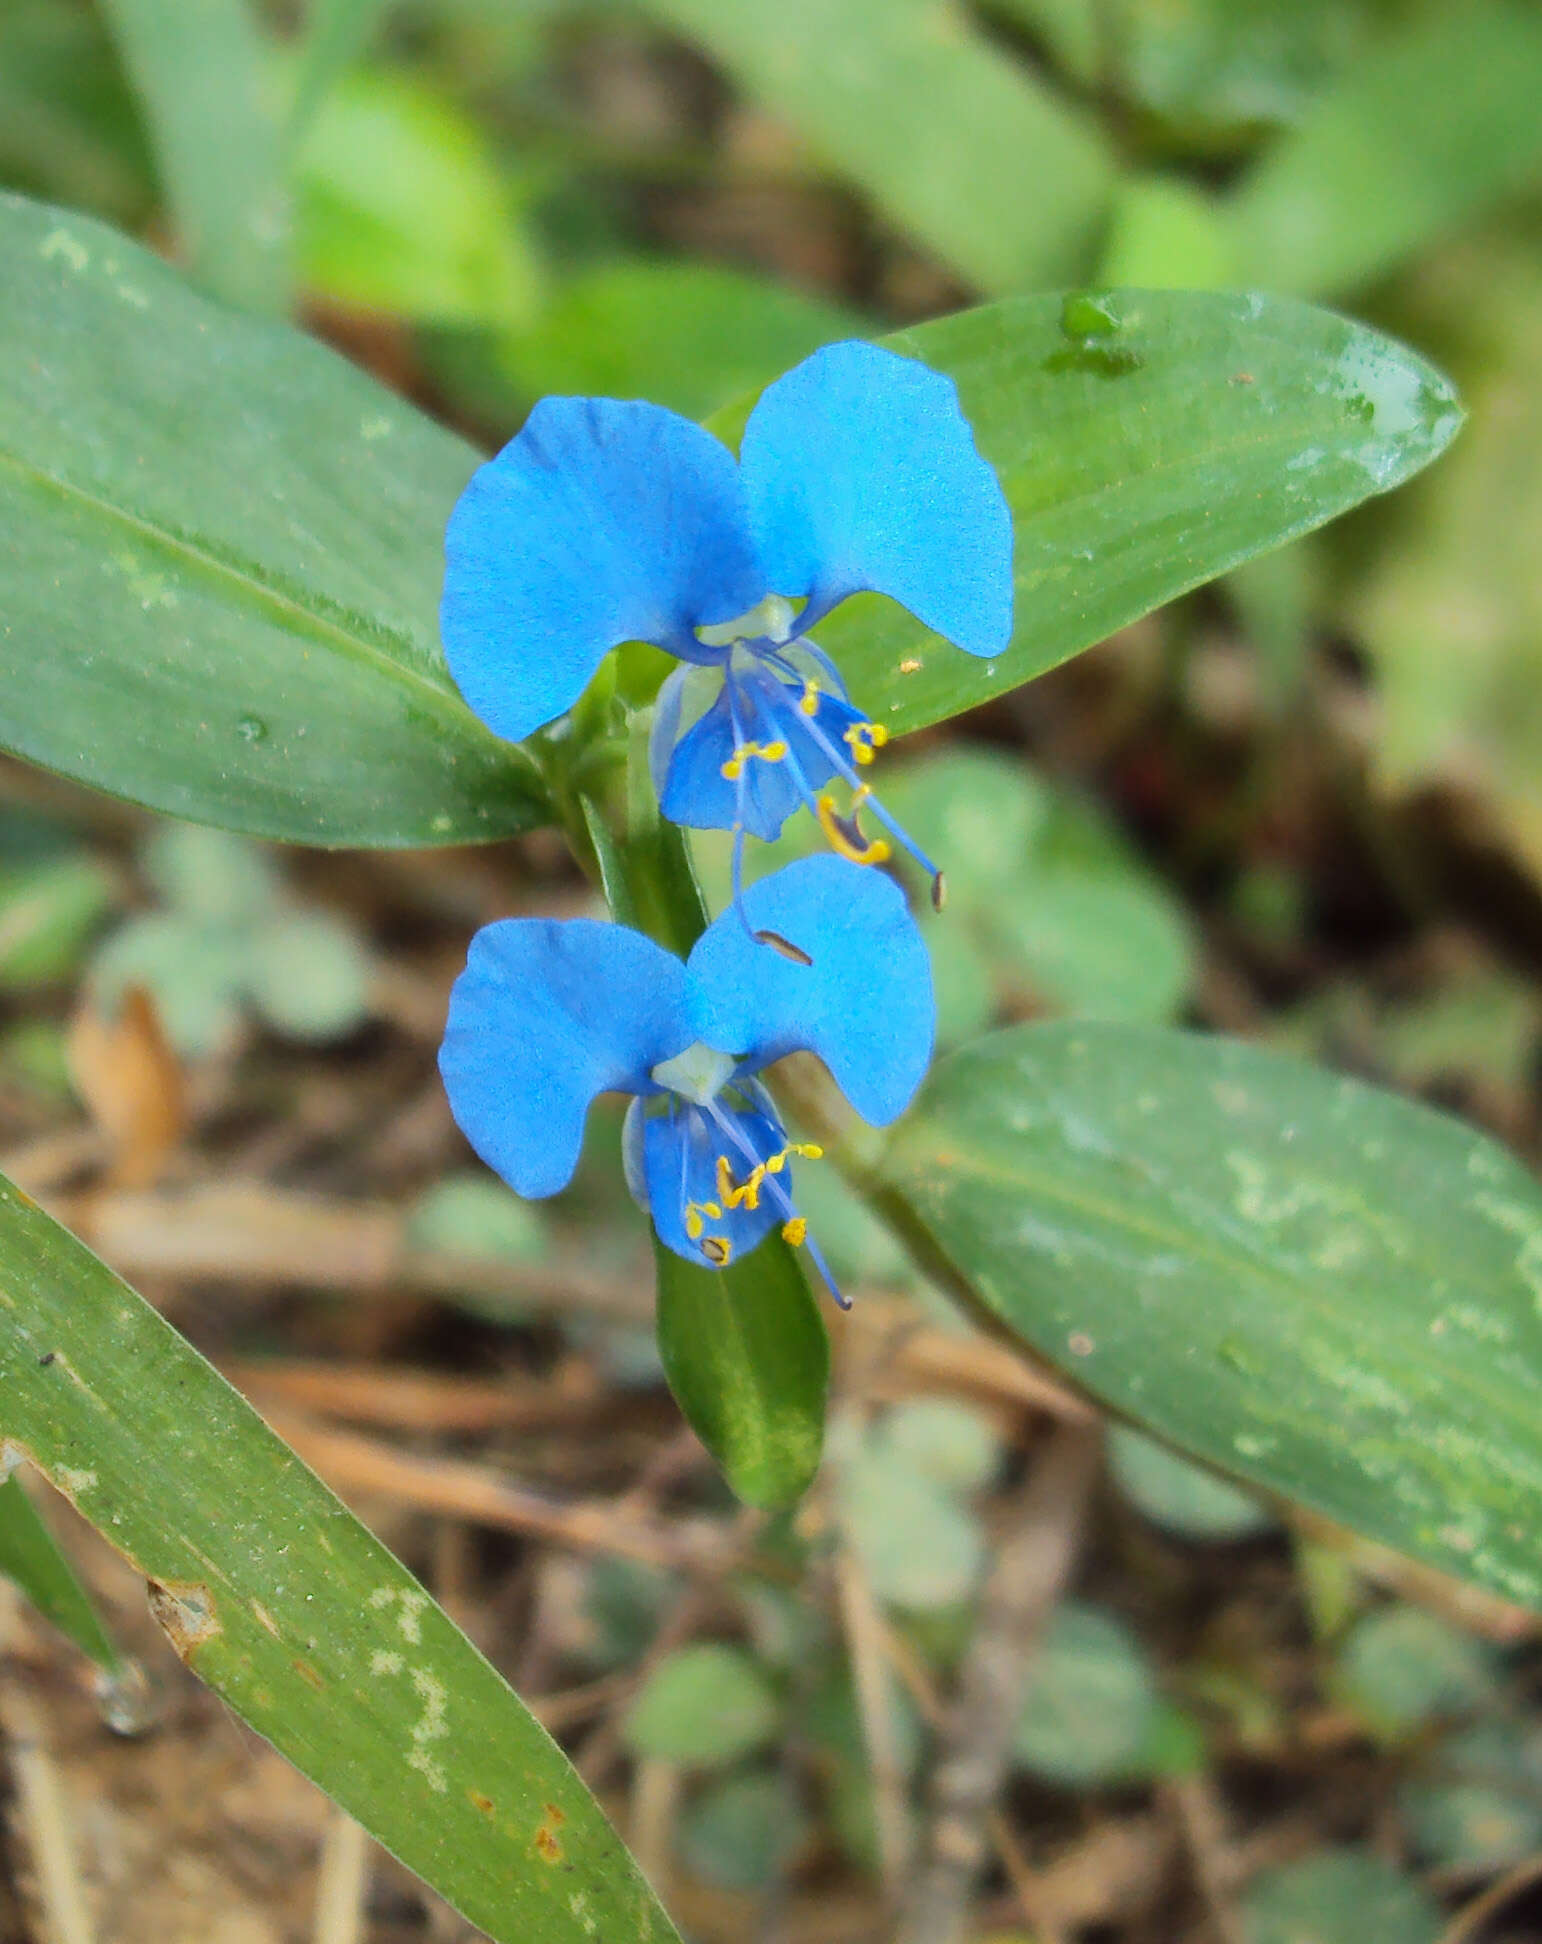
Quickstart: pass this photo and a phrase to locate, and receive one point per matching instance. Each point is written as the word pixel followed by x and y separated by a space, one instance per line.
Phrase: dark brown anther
pixel 939 892
pixel 783 945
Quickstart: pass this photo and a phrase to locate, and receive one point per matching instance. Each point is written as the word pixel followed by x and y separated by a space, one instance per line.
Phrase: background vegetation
pixel 1300 805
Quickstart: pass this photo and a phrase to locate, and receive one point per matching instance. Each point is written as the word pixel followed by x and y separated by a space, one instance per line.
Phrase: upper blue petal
pixel 862 472
pixel 602 522
pixel 680 1153
pixel 864 1005
pixel 548 1013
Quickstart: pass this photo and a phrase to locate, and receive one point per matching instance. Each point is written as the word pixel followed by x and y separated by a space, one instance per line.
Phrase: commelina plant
pixel 604 522
pixel 550 1012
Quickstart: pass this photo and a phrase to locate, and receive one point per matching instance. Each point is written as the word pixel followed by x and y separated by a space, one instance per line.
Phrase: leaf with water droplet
pixel 1144 448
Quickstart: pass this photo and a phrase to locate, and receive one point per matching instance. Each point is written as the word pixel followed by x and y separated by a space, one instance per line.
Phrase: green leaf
pixel 238 536
pixel 68 125
pixel 309 975
pixel 1451 609
pixel 1071 31
pixel 195 973
pixel 403 208
pixel 336 32
pixel 1184 433
pixel 1215 72
pixel 1091 1703
pixel 1479 1804
pixel 952 1442
pixel 1166 234
pixel 942 130
pixel 747 1357
pixel 1339 1896
pixel 1090 927
pixel 1061 902
pixel 703 1705
pixel 198 72
pixel 1309 1283
pixel 209 875
pixel 278 1598
pixel 47 912
pixel 740 1833
pixel 1185 1499
pixel 474 1215
pixel 1429 128
pixel 921 1547
pixel 30 1556
pixel 684 334
pixel 1402 1667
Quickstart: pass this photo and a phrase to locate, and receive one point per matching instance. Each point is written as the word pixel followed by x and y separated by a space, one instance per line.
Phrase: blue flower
pixel 605 522
pixel 550 1012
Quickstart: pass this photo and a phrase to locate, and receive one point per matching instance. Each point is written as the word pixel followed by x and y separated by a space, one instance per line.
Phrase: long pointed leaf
pixel 223 553
pixel 30 1556
pixel 1146 442
pixel 277 1597
pixel 1312 1283
pixel 198 73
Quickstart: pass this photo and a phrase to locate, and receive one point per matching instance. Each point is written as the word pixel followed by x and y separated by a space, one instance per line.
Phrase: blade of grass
pixel 198 73
pixel 277 1597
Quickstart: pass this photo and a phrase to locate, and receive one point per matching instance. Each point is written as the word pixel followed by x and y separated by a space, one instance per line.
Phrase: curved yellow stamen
pixel 808 702
pixel 718 1250
pixel 842 834
pixel 746 1193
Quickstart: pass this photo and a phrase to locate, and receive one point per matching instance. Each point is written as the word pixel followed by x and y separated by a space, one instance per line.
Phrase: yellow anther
pixel 810 1150
pixel 809 701
pixel 771 752
pixel 693 1214
pixel 862 738
pixel 718 1250
pixel 794 1231
pixel 843 836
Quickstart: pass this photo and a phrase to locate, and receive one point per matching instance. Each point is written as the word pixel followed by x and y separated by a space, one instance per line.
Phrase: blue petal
pixel 696 792
pixel 680 1156
pixel 602 522
pixel 862 472
pixel 548 1013
pixel 865 1003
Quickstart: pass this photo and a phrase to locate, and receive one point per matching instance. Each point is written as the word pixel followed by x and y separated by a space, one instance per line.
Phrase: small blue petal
pixel 696 792
pixel 862 472
pixel 602 522
pixel 548 1013
pixel 864 1005
pixel 680 1156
